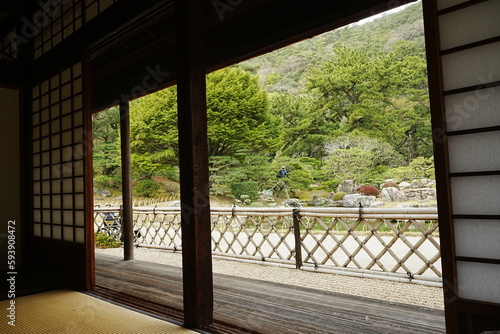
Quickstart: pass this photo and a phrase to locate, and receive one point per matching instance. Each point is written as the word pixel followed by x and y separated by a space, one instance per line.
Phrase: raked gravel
pixel 413 294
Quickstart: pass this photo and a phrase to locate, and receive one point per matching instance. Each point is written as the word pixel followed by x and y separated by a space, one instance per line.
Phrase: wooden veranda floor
pixel 264 307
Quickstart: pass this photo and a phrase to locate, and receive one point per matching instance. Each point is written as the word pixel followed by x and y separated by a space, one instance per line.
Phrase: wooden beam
pixel 127 221
pixel 88 176
pixel 193 161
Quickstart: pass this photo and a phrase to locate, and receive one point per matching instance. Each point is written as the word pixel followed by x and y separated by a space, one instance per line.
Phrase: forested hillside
pixel 349 104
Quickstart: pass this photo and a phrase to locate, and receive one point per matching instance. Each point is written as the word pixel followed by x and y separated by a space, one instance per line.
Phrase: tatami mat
pixel 70 312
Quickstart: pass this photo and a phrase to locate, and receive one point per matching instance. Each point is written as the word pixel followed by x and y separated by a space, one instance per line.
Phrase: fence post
pixel 298 240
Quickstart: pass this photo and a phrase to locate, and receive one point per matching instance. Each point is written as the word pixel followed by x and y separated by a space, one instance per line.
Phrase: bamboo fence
pixel 400 244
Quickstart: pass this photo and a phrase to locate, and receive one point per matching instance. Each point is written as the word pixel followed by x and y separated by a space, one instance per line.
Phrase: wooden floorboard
pixel 265 307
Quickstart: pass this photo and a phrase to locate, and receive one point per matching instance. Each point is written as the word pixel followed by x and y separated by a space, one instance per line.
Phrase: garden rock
pixel 347 186
pixel 428 183
pixel 404 185
pixel 420 194
pixel 353 200
pixel 392 194
pixel 415 184
pixel 332 203
pixel 293 202
pixel 106 193
pixel 266 199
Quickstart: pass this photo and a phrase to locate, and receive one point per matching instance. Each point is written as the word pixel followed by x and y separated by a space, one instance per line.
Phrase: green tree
pixel 238 115
pixel 106 152
pixel 382 96
pixel 341 84
pixel 304 129
pixel 358 158
pixel 418 168
pixel 153 132
pixel 239 122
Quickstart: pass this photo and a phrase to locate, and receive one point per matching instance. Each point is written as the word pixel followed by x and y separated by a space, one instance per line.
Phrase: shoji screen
pixel 58 175
pixel 466 73
pixel 57 20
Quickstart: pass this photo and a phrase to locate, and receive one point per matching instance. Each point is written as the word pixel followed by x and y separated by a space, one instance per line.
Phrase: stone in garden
pixel 332 203
pixel 293 202
pixel 392 194
pixel 353 200
pixel 347 186
pixel 404 185
pixel 106 193
pixel 415 184
pixel 428 183
pixel 266 199
pixel 420 194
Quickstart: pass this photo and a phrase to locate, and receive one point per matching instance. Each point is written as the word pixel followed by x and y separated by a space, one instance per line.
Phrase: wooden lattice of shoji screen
pixel 56 20
pixel 95 7
pixel 59 157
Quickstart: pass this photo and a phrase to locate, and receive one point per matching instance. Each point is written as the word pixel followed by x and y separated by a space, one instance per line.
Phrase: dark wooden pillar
pixel 193 162
pixel 127 215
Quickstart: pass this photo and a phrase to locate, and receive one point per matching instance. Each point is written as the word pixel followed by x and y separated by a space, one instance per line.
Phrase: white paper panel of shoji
pixel 471 67
pixel 477 238
pixel 442 4
pixel 474 152
pixel 79 218
pixel 56 232
pixel 56 217
pixel 479 281
pixel 476 109
pixel 80 235
pixel 470 24
pixel 475 195
pixel 68 233
pixel 37 230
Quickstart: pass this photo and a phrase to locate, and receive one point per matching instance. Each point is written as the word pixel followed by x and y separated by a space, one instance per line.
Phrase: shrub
pixel 339 196
pixel 146 188
pixel 105 241
pixel 249 188
pixel 368 190
pixel 390 184
pixel 102 181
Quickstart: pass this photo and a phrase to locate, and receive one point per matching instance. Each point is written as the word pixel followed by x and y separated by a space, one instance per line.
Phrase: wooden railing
pixel 397 244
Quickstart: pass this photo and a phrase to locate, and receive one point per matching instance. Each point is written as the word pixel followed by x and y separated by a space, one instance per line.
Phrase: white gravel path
pixel 413 294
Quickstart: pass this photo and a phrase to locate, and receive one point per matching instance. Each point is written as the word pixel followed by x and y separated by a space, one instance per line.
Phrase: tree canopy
pixel 349 104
